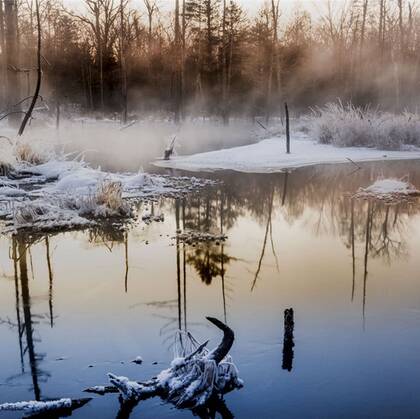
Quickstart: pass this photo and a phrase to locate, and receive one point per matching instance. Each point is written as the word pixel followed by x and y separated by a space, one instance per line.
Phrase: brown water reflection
pixel 74 306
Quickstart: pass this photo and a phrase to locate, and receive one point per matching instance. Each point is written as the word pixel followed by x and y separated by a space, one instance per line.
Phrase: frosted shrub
pixel 350 126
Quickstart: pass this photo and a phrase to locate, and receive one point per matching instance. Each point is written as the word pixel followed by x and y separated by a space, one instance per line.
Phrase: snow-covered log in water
pixel 195 376
pixel 61 407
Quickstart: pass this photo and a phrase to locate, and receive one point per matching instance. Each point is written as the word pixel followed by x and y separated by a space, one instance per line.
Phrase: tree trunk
pixel 178 71
pixel 123 67
pixel 13 87
pixel 225 115
pixel 3 68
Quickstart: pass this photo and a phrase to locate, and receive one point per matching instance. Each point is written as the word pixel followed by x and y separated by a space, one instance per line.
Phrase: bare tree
pixel 12 63
pixel 152 8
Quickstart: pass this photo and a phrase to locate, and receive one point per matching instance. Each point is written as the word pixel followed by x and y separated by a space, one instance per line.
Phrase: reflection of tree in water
pixel 215 213
pixel 110 235
pixel 209 261
pixel 320 197
pixel 25 319
pixel 107 235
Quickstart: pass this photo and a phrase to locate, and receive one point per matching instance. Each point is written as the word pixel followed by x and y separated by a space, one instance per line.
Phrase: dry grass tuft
pixel 24 152
pixel 109 194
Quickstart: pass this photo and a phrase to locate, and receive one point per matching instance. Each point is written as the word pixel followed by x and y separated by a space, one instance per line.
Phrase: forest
pixel 208 58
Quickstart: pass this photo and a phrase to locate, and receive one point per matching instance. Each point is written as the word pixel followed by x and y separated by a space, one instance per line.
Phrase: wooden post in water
pixel 288 340
pixel 286 108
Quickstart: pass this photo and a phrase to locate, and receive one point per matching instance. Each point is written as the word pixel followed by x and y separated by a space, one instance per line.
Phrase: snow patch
pixel 388 189
pixel 270 156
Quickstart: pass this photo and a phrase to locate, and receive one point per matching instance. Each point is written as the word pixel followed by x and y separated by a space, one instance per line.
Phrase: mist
pixel 210 59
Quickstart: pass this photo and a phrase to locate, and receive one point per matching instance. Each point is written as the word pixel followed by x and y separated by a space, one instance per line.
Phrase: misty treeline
pixel 209 58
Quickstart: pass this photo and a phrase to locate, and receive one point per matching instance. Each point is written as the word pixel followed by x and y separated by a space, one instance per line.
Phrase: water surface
pixel 77 305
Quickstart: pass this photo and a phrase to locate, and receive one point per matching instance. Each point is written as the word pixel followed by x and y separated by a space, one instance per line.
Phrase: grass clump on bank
pixel 351 126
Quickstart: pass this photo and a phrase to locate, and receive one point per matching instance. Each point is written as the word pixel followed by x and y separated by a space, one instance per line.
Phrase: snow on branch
pixel 62 406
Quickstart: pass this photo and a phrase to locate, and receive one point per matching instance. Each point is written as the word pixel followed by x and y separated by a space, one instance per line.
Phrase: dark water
pixel 75 306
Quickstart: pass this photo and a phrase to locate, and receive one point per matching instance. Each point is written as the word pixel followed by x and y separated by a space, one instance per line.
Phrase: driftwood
pixel 46 409
pixel 192 381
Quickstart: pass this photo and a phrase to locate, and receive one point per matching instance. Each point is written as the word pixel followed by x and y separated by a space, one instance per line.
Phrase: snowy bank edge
pixel 280 169
pixel 194 163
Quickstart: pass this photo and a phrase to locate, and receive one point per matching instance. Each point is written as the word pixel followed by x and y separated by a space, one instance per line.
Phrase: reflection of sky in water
pixel 342 367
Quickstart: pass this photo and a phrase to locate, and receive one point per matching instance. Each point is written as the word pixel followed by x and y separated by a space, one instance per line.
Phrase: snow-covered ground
pixel 70 194
pixel 269 156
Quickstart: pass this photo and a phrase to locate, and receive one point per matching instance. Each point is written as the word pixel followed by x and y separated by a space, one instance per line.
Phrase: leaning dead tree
pixel 28 114
pixel 195 376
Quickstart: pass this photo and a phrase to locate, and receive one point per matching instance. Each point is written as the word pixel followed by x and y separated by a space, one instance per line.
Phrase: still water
pixel 75 306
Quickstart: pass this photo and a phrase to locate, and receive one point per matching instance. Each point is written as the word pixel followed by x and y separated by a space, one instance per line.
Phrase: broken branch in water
pixel 191 381
pixel 351 161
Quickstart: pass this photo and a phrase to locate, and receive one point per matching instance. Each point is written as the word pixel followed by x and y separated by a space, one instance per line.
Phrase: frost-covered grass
pixel 351 126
